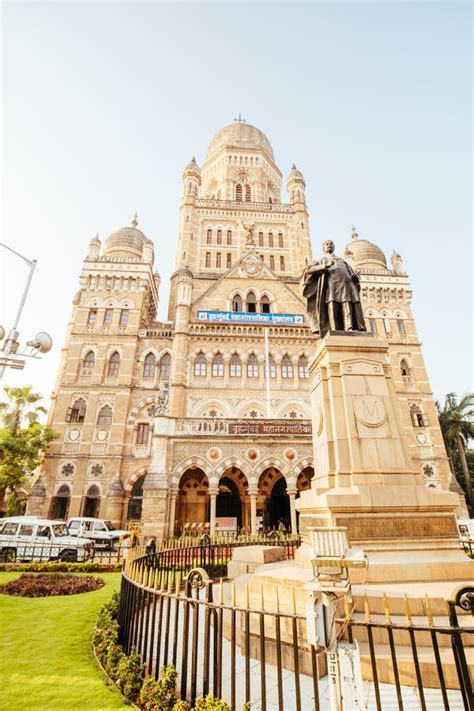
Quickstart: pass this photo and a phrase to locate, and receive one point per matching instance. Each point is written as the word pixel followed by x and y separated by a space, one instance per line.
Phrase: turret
pixel 183 284
pixel 296 189
pixel 94 248
pixel 191 180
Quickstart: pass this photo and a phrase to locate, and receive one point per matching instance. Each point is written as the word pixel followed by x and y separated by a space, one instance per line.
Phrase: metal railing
pixel 50 551
pixel 250 645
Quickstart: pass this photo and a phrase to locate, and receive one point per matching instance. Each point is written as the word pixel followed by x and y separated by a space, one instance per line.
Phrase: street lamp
pixel 41 343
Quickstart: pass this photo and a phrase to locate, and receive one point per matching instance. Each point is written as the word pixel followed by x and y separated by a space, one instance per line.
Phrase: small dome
pixel 126 242
pixel 295 174
pixel 193 167
pixel 365 254
pixel 240 135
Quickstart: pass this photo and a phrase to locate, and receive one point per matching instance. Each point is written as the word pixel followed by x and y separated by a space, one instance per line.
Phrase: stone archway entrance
pixel 303 483
pixel 273 501
pixel 135 503
pixel 229 505
pixel 192 506
pixel 60 503
pixel 90 507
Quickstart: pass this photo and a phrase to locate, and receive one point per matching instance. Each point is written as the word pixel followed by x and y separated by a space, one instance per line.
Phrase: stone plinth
pixel 247 558
pixel 364 477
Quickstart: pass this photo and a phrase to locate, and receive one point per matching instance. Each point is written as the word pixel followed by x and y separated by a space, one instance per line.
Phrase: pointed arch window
pixel 303 371
pixel 165 367
pixel 228 260
pixel 270 239
pixel 248 193
pixel 208 259
pixel 113 366
pixel 235 366
pixel 149 366
pixel 209 236
pixel 251 303
pixel 405 369
pixel 272 262
pixel 280 240
pixel 401 327
pixel 418 419
pixel 104 418
pixel 252 366
pixel 219 236
pixel 200 366
pixel 282 263
pixel 286 367
pixel 229 236
pixel 218 260
pixel 218 366
pixel 373 326
pixel 238 192
pixel 123 320
pixel 88 363
pixel 272 366
pixel 265 304
pixel 237 303
pixel 260 239
pixel 77 413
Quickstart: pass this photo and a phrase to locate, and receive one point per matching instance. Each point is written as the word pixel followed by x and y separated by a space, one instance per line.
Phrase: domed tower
pixel 296 187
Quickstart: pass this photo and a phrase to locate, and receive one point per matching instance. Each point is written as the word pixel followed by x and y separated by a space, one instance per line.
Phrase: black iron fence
pixel 247 648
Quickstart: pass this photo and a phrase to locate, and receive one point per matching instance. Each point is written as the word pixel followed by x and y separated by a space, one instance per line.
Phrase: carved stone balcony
pixel 242 205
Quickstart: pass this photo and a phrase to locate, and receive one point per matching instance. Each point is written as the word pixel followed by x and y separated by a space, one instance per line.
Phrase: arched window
pixel 229 236
pixel 209 236
pixel 219 236
pixel 401 327
pixel 303 372
pixel 248 193
pixel 90 507
pixel 136 500
pixel 235 366
pixel 260 239
pixel 165 367
pixel 265 305
pixel 218 366
pixel 104 418
pixel 373 326
pixel 149 366
pixel 280 240
pixel 286 367
pixel 387 326
pixel 270 239
pixel 251 303
pixel 60 503
pixel 418 419
pixel 237 303
pixel 228 260
pixel 405 370
pixel 272 366
pixel 252 366
pixel 282 263
pixel 272 262
pixel 88 362
pixel 238 192
pixel 113 365
pixel 143 433
pixel 77 413
pixel 123 319
pixel 200 366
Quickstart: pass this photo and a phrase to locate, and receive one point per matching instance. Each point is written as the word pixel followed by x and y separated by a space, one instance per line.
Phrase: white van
pixel 30 538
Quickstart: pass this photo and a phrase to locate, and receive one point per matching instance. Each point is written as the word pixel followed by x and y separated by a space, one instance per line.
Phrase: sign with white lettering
pixel 259 319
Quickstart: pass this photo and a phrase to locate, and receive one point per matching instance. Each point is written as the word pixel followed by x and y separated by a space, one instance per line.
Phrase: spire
pixel 134 221
pixel 355 234
pixel 239 119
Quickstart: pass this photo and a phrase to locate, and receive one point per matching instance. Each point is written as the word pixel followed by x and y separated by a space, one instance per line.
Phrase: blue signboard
pixel 239 317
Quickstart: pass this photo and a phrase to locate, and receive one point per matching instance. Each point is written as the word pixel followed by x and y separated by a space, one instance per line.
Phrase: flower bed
pixel 48 585
pixel 52 567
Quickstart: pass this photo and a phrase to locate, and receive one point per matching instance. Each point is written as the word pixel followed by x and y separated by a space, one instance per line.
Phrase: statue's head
pixel 328 246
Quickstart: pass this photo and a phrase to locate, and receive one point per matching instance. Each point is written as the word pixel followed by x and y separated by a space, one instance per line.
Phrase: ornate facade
pixel 205 417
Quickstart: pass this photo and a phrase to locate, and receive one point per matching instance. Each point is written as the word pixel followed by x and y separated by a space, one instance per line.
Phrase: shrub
pixel 52 567
pixel 113 657
pixel 160 694
pixel 130 673
pixel 210 703
pixel 46 585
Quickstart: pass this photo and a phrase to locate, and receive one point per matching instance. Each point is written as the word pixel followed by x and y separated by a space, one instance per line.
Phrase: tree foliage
pixel 22 438
pixel 456 418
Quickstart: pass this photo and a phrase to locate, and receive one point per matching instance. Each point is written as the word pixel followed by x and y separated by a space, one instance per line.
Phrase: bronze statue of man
pixel 332 290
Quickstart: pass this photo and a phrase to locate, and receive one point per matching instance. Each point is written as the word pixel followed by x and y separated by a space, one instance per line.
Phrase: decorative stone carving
pixel 370 410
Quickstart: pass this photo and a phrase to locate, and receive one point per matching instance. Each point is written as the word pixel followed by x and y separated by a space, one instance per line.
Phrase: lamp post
pixel 42 342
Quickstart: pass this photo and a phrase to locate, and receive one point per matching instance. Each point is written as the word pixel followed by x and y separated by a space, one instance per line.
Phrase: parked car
pixel 101 531
pixel 30 538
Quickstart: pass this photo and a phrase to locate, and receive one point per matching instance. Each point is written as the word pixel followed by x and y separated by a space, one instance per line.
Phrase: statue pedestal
pixel 364 477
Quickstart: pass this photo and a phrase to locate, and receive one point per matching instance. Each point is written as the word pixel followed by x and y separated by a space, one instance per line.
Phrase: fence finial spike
pixel 386 609
pixel 429 611
pixel 366 608
pixel 407 610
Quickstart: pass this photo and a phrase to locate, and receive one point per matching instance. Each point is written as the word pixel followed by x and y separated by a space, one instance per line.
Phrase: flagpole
pixel 267 375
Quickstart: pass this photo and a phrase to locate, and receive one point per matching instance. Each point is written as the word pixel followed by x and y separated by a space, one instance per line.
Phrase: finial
pixel 239 119
pixel 134 221
pixel 293 166
pixel 355 234
pixel 193 159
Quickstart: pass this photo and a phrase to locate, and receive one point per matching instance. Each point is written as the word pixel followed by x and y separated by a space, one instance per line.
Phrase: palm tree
pixel 20 407
pixel 457 425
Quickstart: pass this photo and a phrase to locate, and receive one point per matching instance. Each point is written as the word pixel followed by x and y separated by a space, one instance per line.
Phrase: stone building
pixel 205 417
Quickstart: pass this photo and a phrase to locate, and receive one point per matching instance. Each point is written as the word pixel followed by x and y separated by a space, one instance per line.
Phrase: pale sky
pixel 103 104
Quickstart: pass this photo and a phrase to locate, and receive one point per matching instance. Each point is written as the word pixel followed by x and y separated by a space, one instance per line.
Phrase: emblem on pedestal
pixel 370 410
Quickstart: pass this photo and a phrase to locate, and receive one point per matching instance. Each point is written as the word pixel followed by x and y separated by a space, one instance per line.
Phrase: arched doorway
pixel 193 499
pixel 91 504
pixel 135 502
pixel 231 510
pixel 303 483
pixel 60 502
pixel 274 499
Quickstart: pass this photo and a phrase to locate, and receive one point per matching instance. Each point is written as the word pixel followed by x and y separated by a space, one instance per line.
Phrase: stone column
pixel 212 511
pixel 172 515
pixel 292 495
pixel 156 487
pixel 253 493
pixel 35 506
pixel 114 502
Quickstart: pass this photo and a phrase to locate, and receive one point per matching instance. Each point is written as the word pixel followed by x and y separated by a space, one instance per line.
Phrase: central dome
pixel 240 135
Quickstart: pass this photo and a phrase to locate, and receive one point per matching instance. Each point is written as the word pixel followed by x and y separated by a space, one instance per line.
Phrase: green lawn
pixel 46 659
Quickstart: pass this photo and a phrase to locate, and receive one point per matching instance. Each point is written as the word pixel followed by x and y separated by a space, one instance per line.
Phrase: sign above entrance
pixel 239 317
